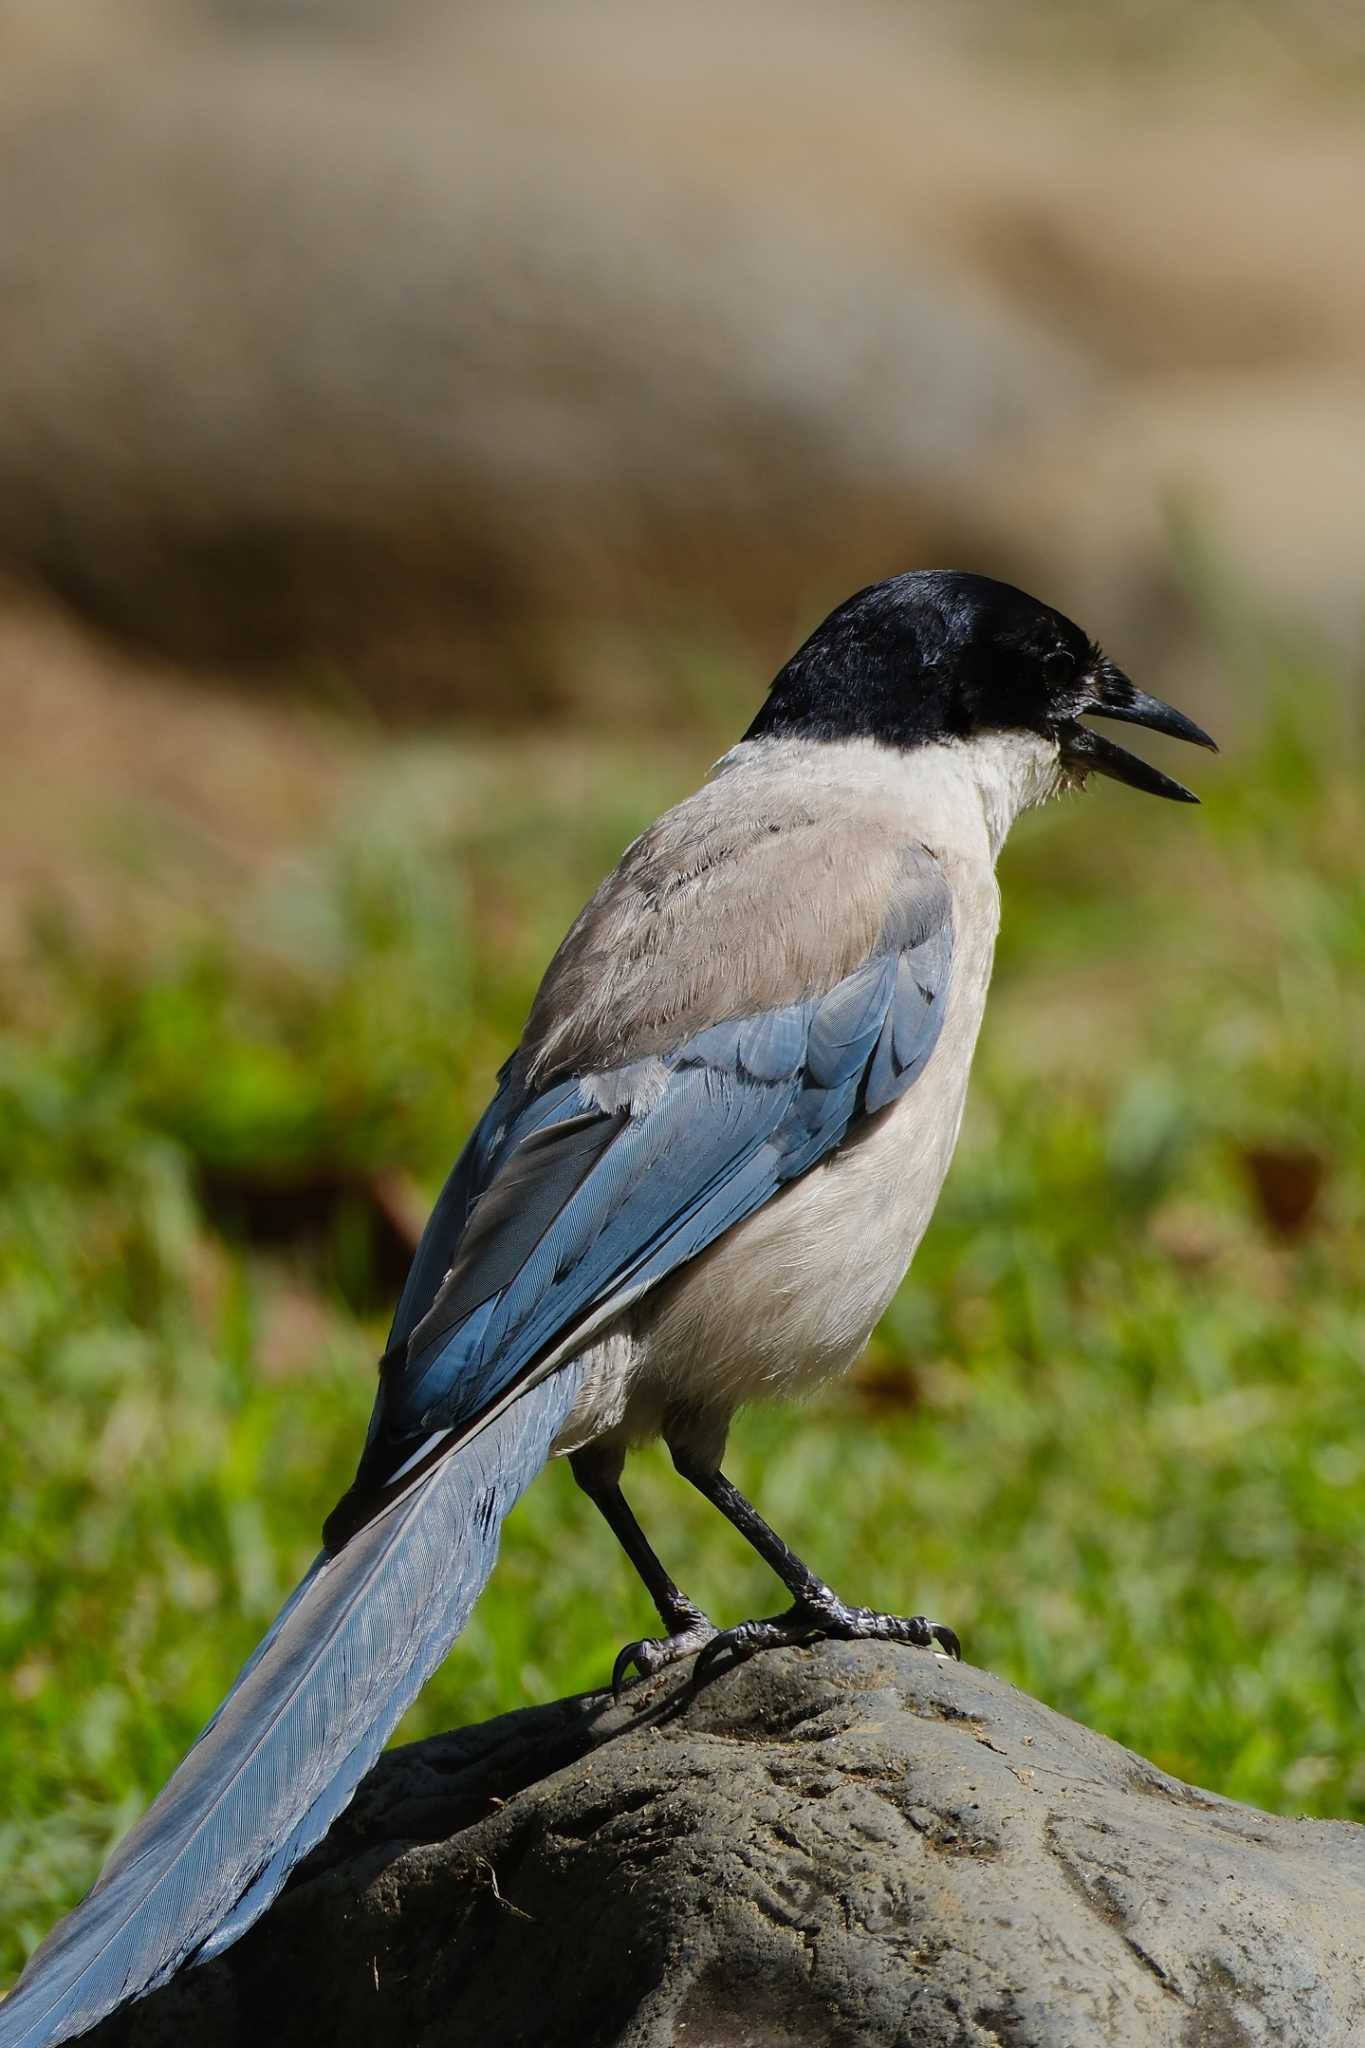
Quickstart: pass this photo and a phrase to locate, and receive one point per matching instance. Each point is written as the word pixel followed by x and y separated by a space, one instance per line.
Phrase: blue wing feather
pixel 771 1047
pixel 583 1208
pixel 449 1216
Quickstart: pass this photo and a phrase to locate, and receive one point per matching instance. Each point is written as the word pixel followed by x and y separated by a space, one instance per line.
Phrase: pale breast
pixel 790 1297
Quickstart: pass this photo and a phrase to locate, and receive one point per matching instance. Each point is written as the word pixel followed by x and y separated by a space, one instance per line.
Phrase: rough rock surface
pixel 855 1844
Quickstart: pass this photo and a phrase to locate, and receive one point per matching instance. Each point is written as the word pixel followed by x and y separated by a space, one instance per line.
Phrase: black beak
pixel 1109 694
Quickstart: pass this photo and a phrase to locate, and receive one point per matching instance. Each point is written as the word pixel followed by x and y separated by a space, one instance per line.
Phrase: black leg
pixel 675 1609
pixel 687 1627
pixel 816 1610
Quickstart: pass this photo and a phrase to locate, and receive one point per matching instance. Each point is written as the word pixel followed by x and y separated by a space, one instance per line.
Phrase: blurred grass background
pixel 422 432
pixel 1113 1427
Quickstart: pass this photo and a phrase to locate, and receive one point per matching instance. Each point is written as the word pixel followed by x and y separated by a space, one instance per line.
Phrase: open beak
pixel 1109 694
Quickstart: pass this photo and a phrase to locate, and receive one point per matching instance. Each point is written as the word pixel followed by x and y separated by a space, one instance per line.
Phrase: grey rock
pixel 853 1844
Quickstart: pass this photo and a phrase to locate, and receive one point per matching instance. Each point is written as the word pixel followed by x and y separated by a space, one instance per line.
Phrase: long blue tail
pixel 289 1745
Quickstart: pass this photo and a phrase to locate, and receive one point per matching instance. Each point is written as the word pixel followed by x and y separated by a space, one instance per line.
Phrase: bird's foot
pixel 692 1632
pixel 819 1614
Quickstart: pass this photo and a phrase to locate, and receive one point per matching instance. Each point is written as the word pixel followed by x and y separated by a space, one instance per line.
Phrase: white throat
pixel 959 796
pixel 1010 771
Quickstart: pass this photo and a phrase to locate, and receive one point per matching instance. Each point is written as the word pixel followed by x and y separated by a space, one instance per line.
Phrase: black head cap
pixel 940 654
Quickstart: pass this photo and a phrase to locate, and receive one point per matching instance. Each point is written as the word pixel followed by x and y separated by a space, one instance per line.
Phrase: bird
pixel 703 1174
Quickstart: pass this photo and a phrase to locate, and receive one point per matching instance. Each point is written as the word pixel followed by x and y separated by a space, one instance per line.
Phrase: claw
pixel 633 1653
pixel 825 1615
pixel 948 1637
pixel 741 1641
pixel 822 1614
pixel 656 1653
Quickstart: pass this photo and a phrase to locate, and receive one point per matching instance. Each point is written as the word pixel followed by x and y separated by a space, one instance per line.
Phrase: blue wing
pixel 560 1212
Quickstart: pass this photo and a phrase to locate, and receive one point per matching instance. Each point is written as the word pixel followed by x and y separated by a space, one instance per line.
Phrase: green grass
pixel 1113 1428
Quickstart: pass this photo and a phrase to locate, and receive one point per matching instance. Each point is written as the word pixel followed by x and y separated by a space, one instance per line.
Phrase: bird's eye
pixel 1059 666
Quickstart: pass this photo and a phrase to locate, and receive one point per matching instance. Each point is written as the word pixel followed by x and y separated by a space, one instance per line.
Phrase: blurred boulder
pixel 424 353
pixel 398 356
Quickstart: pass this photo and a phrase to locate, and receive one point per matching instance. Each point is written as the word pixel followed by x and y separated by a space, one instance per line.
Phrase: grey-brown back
pixel 772 882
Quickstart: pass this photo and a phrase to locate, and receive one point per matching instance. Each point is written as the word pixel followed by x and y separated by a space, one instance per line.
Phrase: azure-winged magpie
pixel 703 1175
